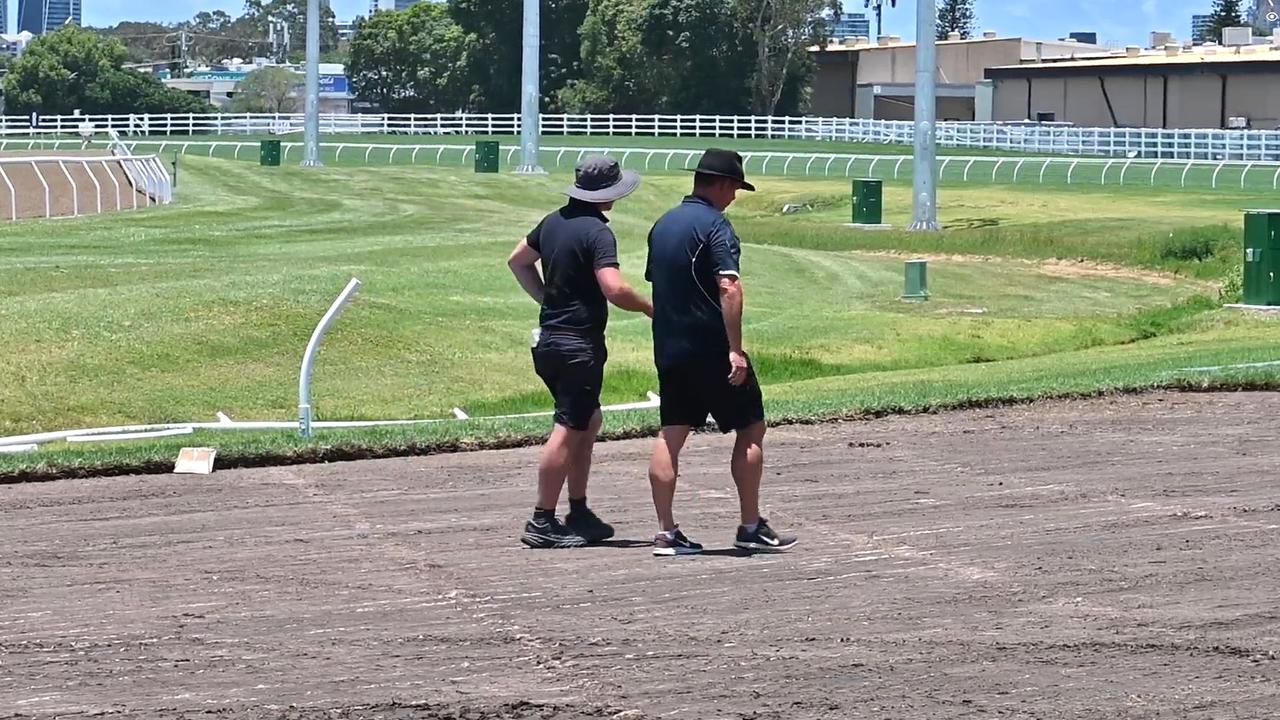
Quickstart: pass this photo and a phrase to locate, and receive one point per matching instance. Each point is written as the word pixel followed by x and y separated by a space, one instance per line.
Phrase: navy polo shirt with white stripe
pixel 690 248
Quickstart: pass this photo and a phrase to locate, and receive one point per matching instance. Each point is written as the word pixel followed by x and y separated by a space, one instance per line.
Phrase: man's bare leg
pixel 747 468
pixel 553 466
pixel 664 468
pixel 580 451
pixel 580 518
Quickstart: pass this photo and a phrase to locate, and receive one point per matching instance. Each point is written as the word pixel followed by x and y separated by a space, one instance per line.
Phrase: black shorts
pixel 572 366
pixel 692 390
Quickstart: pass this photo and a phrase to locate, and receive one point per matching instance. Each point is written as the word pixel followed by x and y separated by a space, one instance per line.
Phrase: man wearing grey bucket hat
pixel 578 254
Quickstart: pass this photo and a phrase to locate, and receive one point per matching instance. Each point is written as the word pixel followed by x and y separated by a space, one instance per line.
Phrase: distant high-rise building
pixel 1200 29
pixel 346 29
pixel 1088 38
pixel 4 17
pixel 41 16
pixel 376 5
pixel 850 25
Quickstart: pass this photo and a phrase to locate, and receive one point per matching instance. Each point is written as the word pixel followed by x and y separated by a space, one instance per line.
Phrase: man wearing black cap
pixel 697 345
pixel 579 257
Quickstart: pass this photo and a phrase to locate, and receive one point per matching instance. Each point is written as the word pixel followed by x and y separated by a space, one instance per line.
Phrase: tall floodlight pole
pixel 530 91
pixel 311 144
pixel 925 170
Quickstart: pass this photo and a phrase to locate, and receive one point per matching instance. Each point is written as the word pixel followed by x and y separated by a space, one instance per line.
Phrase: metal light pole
pixel 530 92
pixel 311 142
pixel 925 168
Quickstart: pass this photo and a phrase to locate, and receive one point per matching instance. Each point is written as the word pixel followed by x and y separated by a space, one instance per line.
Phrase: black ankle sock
pixel 578 505
pixel 540 514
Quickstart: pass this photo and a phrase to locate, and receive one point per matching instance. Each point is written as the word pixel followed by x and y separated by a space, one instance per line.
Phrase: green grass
pixel 562 152
pixel 175 314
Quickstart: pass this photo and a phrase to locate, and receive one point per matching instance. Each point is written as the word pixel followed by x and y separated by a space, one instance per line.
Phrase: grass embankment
pixel 175 314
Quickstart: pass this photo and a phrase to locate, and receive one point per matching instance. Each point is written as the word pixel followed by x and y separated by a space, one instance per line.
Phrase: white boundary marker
pixel 1240 366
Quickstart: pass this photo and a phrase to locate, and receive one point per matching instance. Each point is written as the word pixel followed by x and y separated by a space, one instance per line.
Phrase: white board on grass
pixel 195 461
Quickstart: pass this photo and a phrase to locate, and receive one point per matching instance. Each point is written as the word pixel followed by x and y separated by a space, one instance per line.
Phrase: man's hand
pixel 738 367
pixel 617 291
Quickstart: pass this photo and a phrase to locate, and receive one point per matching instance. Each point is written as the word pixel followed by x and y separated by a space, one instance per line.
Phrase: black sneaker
pixel 677 544
pixel 764 539
pixel 550 534
pixel 589 526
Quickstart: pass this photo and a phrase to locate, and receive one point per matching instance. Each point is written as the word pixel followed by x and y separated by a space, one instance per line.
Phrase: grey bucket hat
pixel 599 179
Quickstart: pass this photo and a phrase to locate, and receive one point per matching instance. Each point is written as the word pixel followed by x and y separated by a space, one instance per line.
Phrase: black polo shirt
pixel 574 242
pixel 690 249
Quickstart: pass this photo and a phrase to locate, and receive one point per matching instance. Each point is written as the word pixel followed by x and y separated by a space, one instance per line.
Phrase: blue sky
pixel 1122 21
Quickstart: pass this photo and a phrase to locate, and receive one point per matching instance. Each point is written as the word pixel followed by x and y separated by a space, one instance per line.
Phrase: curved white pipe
pixel 309 358
pixel 225 423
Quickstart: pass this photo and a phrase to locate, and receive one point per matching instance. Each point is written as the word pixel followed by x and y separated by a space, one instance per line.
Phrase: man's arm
pixel 731 310
pixel 617 291
pixel 524 265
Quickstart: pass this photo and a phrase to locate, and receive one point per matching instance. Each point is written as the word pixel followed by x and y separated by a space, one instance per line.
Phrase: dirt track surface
pixel 90 189
pixel 1096 559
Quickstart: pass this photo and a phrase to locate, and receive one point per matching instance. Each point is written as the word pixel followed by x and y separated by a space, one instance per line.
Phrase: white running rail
pixel 1024 137
pixel 1043 170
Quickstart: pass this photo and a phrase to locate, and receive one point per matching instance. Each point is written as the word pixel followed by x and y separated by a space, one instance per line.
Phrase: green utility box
pixel 917 280
pixel 486 156
pixel 868 201
pixel 269 153
pixel 1262 257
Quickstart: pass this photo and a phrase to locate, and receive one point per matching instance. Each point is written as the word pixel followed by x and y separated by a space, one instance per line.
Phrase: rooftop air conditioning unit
pixel 1238 123
pixel 1237 36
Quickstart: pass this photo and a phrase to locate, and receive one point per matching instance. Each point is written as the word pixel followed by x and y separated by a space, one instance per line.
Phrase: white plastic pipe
pixel 226 423
pixel 309 358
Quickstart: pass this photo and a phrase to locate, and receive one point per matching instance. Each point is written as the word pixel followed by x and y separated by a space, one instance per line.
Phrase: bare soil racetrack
pixel 1109 558
pixel 73 188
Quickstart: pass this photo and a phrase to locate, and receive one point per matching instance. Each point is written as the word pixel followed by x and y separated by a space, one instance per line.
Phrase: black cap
pixel 723 163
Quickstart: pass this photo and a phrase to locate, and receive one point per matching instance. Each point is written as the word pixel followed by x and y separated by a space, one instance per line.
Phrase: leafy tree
pixel 143 41
pixel 124 91
pixel 493 54
pixel 699 56
pixel 216 36
pixel 781 32
pixel 268 90
pixel 956 16
pixel 1225 14
pixel 294 14
pixel 410 61
pixel 695 56
pixel 76 69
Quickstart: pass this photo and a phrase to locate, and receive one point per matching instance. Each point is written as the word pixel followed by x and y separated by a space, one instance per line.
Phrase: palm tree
pixel 879 6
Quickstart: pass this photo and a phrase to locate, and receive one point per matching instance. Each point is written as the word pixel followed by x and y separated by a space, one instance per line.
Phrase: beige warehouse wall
pixel 958 63
pixel 1194 101
pixel 1010 100
pixel 830 96
pixel 1255 97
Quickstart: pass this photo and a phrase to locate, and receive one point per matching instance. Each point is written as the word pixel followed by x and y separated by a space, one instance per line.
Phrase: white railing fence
pixel 952 169
pixel 1016 137
pixel 51 186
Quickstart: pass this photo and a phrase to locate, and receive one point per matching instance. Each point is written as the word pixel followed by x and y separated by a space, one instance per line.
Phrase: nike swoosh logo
pixel 771 541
